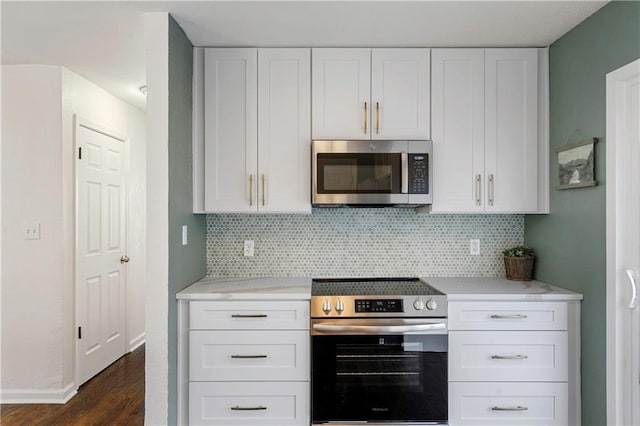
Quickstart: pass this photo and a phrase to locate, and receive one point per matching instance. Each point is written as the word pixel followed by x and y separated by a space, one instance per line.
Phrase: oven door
pixel 379 371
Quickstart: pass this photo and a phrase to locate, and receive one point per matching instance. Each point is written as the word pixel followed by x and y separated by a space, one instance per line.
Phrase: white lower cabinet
pixel 508 404
pixel 232 355
pixel 508 356
pixel 514 363
pixel 249 403
pixel 247 363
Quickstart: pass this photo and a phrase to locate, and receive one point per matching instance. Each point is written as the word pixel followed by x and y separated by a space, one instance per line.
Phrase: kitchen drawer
pixel 228 315
pixel 248 355
pixel 508 404
pixel 507 315
pixel 249 403
pixel 508 356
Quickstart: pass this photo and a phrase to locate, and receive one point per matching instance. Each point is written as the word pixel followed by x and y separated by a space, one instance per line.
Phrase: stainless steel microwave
pixel 367 172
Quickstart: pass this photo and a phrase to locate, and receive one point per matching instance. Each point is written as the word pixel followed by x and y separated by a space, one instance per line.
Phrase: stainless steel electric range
pixel 379 352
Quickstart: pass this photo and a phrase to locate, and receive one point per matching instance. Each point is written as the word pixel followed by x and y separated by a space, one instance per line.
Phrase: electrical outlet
pixel 185 235
pixel 249 247
pixel 32 231
pixel 474 247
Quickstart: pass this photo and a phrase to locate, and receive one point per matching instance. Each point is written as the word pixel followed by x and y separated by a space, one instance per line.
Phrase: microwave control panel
pixel 418 174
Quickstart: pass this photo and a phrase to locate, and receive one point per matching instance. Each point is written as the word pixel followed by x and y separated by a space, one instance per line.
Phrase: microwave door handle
pixel 404 179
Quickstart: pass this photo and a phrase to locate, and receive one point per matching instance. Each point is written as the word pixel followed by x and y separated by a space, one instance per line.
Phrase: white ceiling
pixel 104 41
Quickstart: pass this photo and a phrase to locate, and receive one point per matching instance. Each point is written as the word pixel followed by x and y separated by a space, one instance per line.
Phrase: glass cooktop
pixel 371 286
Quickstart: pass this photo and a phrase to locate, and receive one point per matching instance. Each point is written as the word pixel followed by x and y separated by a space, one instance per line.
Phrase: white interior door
pixel 100 249
pixel 623 245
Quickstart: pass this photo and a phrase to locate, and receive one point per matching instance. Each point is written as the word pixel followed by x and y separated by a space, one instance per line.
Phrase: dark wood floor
pixel 113 397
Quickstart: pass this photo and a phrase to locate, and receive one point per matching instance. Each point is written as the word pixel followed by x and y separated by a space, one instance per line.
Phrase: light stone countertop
pixel 288 288
pixel 270 288
pixel 479 288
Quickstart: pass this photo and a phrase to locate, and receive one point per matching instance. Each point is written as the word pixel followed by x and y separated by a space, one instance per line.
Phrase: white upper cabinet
pixel 485 130
pixel 511 129
pixel 256 130
pixel 284 130
pixel 458 129
pixel 230 130
pixel 370 93
pixel 400 84
pixel 340 93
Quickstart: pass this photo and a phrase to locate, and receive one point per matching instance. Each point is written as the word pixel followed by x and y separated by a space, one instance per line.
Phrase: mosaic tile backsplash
pixel 351 242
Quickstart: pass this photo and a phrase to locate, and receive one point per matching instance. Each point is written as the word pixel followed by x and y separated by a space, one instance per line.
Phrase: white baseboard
pixel 136 342
pixel 38 396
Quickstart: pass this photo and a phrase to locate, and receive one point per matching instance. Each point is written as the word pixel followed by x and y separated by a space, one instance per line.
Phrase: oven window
pixel 380 378
pixel 359 173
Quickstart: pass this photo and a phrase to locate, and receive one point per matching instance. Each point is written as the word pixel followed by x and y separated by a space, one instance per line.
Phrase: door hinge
pixel 79 332
pixel 80 153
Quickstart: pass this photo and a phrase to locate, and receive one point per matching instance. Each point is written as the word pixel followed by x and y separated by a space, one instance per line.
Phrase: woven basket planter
pixel 519 268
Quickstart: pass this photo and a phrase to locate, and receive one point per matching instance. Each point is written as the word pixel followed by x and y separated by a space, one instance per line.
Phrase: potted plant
pixel 518 263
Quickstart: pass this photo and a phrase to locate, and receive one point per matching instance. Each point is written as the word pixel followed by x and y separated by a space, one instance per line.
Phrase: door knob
pixel 124 259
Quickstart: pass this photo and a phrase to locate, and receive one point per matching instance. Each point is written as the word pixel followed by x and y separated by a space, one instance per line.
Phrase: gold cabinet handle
pixel 251 190
pixel 478 188
pixel 377 117
pixel 263 196
pixel 365 117
pixel 490 190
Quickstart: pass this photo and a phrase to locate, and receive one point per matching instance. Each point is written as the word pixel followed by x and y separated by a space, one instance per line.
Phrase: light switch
pixel 185 232
pixel 32 231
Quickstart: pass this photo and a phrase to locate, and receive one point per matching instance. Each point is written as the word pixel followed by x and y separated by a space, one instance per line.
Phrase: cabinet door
pixel 511 130
pixel 340 93
pixel 508 356
pixel 230 130
pixel 249 403
pixel 284 130
pixel 509 404
pixel 458 130
pixel 248 315
pixel 248 355
pixel 400 101
pixel 492 315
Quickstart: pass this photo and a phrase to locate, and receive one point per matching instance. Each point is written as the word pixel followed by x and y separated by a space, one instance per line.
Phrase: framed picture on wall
pixel 576 164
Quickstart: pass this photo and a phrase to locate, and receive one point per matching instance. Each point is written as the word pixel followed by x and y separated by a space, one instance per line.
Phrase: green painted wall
pixel 570 241
pixel 187 264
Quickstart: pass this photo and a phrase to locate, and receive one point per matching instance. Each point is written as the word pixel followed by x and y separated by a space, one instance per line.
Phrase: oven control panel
pixel 378 305
pixel 363 306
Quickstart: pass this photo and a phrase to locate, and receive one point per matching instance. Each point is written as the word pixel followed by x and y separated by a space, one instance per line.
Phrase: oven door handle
pixel 377 329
